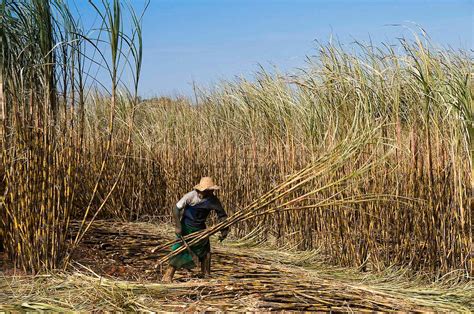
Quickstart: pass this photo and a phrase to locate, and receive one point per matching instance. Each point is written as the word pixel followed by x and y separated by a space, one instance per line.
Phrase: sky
pixel 206 41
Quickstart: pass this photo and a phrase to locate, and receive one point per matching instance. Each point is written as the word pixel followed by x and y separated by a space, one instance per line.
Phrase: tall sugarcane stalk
pixel 43 51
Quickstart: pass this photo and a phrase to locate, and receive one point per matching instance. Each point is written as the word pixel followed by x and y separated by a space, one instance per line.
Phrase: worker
pixel 189 215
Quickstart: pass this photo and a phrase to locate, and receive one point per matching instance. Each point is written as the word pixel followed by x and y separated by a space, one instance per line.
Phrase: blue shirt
pixel 196 209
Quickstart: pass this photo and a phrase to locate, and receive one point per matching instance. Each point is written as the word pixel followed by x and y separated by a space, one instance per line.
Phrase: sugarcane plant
pixel 47 74
pixel 417 94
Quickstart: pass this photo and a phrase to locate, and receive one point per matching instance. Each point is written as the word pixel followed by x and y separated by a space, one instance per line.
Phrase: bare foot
pixel 203 275
pixel 166 280
pixel 168 276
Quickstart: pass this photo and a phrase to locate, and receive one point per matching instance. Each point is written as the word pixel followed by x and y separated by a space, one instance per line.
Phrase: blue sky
pixel 209 40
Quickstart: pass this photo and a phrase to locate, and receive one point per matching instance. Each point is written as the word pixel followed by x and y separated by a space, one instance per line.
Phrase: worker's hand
pixel 223 234
pixel 177 230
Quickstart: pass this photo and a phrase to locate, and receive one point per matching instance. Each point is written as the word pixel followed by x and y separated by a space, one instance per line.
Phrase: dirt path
pixel 242 279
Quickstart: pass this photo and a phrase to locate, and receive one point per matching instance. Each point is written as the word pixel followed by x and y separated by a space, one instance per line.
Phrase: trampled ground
pixel 115 270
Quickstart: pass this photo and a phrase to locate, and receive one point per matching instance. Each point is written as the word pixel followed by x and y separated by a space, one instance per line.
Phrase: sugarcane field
pixel 244 156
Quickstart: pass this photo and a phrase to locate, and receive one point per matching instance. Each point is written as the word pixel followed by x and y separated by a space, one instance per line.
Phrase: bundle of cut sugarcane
pixel 296 186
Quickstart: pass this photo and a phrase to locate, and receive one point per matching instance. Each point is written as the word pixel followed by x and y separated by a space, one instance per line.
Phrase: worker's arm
pixel 221 216
pixel 177 211
pixel 177 220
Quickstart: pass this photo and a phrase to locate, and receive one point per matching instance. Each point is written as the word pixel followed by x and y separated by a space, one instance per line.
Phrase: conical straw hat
pixel 206 183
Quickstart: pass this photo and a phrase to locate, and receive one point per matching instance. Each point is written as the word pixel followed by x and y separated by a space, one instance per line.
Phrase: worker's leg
pixel 206 265
pixel 168 275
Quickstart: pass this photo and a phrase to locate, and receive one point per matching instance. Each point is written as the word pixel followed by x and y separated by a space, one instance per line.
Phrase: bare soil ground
pixel 114 269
